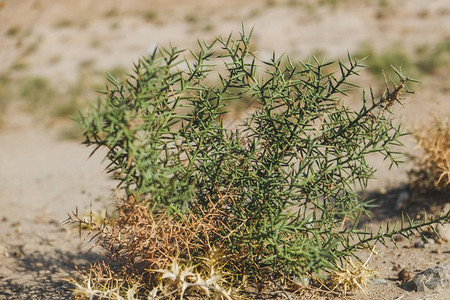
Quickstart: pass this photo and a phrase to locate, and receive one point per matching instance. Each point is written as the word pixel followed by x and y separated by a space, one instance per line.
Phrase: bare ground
pixel 43 178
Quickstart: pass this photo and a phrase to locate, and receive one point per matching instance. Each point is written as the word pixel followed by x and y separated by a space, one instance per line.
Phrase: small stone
pixel 446 208
pixel 440 241
pixel 404 275
pixel 378 281
pixel 430 241
pixel 382 190
pixel 433 278
pixel 443 231
pixel 419 244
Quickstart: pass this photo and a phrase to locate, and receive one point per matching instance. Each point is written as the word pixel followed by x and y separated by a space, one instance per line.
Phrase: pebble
pixel 378 281
pixel 433 278
pixel 419 244
pixel 424 243
pixel 404 275
pixel 441 241
pixel 443 231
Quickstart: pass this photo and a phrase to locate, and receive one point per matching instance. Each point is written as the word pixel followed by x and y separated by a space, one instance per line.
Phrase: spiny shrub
pixel 276 195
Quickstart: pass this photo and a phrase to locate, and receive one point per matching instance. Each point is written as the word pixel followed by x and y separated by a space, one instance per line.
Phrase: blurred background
pixel 55 56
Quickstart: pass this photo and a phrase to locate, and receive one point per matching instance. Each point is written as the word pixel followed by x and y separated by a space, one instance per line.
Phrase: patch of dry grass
pixel 433 166
pixel 351 275
pixel 154 255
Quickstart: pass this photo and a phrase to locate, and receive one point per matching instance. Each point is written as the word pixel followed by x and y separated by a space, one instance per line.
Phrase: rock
pixel 404 275
pixel 446 208
pixel 378 281
pixel 433 278
pixel 443 231
pixel 419 244
pixel 424 243
pixel 441 241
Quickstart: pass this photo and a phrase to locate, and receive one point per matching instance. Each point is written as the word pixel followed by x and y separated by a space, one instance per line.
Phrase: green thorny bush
pixel 283 185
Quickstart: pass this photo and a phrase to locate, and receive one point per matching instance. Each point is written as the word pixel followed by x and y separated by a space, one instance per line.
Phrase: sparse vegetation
pixel 115 25
pixel 43 100
pixel 32 47
pixel 432 171
pixel 191 18
pixel 424 62
pixel 431 59
pixel 13 31
pixel 86 64
pixel 37 93
pixel 63 24
pixel 113 12
pixel 380 63
pixel 5 94
pixel 209 27
pixel 95 43
pixel 39 97
pixel 351 275
pixel 210 209
pixel 151 16
pixel 18 66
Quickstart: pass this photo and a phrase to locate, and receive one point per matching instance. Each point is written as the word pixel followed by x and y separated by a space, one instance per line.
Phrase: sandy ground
pixel 43 178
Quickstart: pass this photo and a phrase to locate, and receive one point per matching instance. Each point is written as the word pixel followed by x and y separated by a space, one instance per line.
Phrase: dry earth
pixel 43 178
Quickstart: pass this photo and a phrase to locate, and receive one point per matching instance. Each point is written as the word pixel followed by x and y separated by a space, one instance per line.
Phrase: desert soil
pixel 42 178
